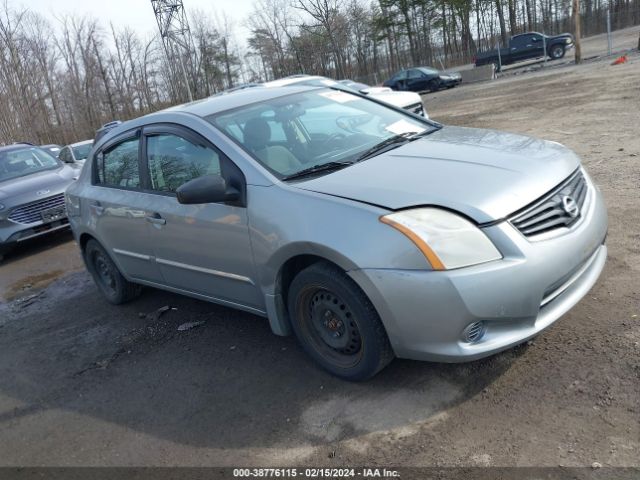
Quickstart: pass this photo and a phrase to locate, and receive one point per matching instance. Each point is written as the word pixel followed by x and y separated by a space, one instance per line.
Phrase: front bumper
pixel 450 81
pixel 14 235
pixel 426 312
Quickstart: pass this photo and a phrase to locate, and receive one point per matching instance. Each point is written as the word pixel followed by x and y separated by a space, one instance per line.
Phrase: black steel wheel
pixel 336 323
pixel 435 85
pixel 106 275
pixel 557 51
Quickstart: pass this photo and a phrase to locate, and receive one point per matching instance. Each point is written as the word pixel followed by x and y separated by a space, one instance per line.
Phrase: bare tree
pixel 60 80
pixel 328 22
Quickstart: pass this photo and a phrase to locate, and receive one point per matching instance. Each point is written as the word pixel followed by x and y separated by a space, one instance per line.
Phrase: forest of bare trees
pixel 61 78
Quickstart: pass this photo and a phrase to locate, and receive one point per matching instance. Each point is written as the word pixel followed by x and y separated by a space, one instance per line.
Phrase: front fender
pixel 286 221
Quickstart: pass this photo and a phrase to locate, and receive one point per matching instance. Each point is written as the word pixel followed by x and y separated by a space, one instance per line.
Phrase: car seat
pixel 257 134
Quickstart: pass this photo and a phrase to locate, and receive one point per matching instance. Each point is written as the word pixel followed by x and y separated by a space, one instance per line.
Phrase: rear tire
pixel 556 52
pixel 435 85
pixel 106 275
pixel 336 323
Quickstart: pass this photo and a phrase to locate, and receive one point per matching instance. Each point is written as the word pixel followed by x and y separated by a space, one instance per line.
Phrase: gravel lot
pixel 86 383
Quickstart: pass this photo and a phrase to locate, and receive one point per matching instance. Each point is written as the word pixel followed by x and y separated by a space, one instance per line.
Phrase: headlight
pixel 446 239
pixel 1 207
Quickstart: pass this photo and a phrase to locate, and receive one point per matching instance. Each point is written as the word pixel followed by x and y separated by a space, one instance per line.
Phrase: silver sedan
pixel 365 230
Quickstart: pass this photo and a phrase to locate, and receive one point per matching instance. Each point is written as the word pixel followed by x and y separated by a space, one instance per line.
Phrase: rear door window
pixel 399 76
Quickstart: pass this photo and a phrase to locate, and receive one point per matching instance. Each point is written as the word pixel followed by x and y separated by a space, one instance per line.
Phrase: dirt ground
pixel 86 383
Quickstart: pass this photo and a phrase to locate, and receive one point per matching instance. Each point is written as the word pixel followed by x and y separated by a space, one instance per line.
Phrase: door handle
pixel 97 208
pixel 155 218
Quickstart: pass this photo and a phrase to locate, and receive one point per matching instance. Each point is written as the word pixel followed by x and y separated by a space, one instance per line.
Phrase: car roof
pixel 220 103
pixel 526 33
pixel 16 146
pixel 294 79
pixel 77 144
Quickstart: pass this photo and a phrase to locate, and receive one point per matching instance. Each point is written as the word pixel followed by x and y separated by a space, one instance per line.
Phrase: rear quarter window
pixel 118 166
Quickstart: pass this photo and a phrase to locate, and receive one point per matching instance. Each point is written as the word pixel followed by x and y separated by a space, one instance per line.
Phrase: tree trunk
pixel 529 15
pixel 513 24
pixel 576 20
pixel 503 26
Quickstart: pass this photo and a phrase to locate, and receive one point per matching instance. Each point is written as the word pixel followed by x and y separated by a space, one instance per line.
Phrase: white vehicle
pixel 407 100
pixel 76 152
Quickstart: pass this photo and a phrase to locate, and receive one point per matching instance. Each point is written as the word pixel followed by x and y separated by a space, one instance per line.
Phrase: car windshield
pixel 292 133
pixel 81 152
pixel 24 161
pixel 429 71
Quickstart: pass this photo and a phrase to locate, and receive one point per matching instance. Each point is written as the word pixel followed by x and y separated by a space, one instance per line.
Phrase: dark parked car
pixel 32 185
pixel 52 148
pixel 526 46
pixel 421 79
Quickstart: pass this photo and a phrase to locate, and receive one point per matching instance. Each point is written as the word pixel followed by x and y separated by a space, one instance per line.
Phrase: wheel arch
pixel 283 267
pixel 83 239
pixel 557 43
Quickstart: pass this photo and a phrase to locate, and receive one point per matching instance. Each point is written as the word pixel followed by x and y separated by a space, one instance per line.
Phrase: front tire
pixel 336 323
pixel 106 275
pixel 557 51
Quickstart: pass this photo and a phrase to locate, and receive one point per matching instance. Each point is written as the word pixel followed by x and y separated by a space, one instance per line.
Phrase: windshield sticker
pixel 402 126
pixel 340 97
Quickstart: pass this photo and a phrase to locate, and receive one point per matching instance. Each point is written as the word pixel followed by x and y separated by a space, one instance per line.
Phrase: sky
pixel 138 14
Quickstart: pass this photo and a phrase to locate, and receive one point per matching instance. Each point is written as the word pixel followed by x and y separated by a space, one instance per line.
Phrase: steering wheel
pixel 334 137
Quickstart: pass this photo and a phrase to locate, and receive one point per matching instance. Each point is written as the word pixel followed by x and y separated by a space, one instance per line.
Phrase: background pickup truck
pixel 526 46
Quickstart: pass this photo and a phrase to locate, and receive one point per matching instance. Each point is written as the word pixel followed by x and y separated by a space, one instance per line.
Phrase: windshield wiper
pixel 318 168
pixel 398 139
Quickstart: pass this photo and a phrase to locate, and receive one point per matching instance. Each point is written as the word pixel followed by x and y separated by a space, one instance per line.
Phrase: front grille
pixel 415 108
pixel 31 212
pixel 552 211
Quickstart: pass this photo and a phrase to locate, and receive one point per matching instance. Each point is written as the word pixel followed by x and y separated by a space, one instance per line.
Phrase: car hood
pixel 369 90
pixel 54 180
pixel 397 99
pixel 483 174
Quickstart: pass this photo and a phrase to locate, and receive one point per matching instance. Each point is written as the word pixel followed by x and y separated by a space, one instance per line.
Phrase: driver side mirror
pixel 206 189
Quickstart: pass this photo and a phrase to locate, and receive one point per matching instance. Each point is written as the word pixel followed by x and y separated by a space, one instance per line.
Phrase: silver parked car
pixel 32 185
pixel 367 231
